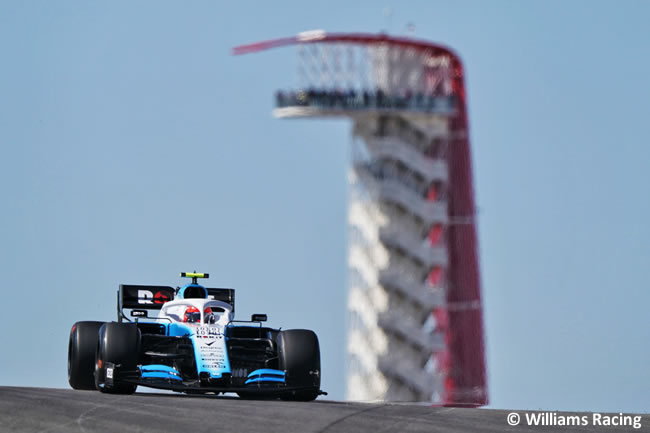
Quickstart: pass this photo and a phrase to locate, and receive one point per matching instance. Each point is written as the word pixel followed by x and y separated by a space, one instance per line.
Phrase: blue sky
pixel 133 146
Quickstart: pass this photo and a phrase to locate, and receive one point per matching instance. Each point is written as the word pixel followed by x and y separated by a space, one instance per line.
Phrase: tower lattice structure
pixel 415 327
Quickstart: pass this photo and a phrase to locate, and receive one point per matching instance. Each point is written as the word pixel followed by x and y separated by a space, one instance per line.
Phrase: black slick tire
pixel 81 354
pixel 119 344
pixel 299 357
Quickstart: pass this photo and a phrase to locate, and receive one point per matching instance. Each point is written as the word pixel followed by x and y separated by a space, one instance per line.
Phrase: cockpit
pixel 197 311
pixel 211 315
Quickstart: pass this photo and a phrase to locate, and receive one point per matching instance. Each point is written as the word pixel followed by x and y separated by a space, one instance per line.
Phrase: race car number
pixel 209 332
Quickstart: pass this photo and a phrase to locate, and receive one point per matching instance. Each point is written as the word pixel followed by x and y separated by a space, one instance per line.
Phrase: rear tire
pixel 119 343
pixel 84 337
pixel 299 357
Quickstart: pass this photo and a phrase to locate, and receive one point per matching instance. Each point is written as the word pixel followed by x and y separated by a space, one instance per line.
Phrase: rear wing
pixel 147 297
pixel 138 297
pixel 223 295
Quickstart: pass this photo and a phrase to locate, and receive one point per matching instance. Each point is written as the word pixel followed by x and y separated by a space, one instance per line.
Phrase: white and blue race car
pixel 192 345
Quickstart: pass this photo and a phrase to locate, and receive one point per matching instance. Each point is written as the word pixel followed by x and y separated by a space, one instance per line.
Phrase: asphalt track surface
pixel 63 410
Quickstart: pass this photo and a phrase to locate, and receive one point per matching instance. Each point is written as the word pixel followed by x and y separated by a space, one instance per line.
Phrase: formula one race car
pixel 192 345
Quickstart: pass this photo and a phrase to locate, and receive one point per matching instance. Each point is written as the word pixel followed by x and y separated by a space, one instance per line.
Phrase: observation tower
pixel 414 303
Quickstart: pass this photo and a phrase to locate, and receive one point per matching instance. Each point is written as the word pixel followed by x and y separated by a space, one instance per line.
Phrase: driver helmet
pixel 192 315
pixel 209 317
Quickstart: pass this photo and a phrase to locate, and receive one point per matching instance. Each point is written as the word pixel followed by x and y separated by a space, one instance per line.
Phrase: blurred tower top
pixel 358 62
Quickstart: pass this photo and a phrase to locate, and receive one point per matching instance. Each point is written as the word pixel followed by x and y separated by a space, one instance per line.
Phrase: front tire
pixel 299 357
pixel 84 337
pixel 119 344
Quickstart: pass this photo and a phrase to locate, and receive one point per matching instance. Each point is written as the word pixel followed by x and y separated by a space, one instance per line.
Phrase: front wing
pixel 195 386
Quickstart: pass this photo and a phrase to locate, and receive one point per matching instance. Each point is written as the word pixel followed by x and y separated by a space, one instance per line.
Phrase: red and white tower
pixel 415 315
